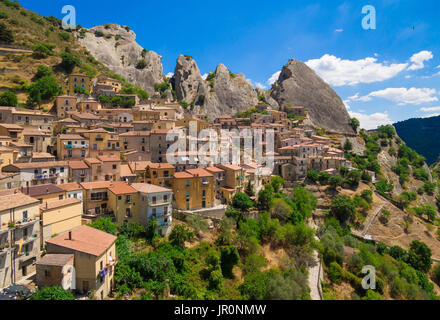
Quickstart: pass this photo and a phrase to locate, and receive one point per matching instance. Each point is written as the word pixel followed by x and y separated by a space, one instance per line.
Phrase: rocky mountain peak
pixel 299 85
pixel 116 47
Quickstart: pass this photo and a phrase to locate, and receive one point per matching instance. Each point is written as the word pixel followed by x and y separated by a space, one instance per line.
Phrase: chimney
pixel 70 235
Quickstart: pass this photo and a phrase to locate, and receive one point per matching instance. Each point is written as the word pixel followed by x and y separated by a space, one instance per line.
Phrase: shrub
pixel 335 181
pixel 43 71
pixel 8 99
pixel 42 50
pixel 335 273
pixel 99 33
pixel 241 201
pixel 3 15
pixel 141 64
pixel 52 293
pixel 355 124
pixel 348 146
pixel 367 195
pixel 353 178
pixel 436 273
pixel 313 175
pixel 6 35
pixel 64 36
pixel 419 256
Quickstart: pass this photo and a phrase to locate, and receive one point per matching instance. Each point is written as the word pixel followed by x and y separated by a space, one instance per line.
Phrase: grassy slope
pixel 28 29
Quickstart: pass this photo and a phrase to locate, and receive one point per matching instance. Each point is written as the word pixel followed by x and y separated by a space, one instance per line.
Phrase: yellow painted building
pixel 200 124
pixel 94 258
pixel 59 216
pixel 72 147
pixel 193 189
pixel 7 156
pixel 103 143
pixel 159 174
pixel 77 80
pixel 123 200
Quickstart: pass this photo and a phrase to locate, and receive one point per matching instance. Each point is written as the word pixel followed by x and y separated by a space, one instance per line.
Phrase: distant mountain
pixel 422 135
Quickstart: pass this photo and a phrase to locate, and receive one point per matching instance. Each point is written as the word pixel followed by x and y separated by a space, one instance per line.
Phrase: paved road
pixel 315 271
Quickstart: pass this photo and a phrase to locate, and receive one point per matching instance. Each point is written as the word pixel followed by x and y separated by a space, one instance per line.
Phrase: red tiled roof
pixel 78 165
pixel 199 172
pixel 121 188
pixel 85 239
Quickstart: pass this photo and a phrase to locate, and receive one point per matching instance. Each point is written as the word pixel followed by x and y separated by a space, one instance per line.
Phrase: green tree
pixel 52 293
pixel 305 202
pixel 277 182
pixel 179 235
pixel 313 175
pixel 367 195
pixel 132 230
pixel 353 178
pixel 324 178
pixel 372 295
pixel 151 230
pixel 355 124
pixel 280 210
pixel 265 197
pixel 343 208
pixel 241 201
pixel 69 62
pixel 250 189
pixel 8 98
pixel 335 181
pixel 419 256
pixel 229 257
pixel 104 224
pixel 44 89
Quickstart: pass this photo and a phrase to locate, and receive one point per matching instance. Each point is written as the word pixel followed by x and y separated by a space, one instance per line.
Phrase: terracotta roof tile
pixel 85 239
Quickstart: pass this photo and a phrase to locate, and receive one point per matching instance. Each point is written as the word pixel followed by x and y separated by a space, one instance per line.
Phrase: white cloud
pixel 339 72
pixel 339 30
pixel 356 97
pixel 432 109
pixel 169 75
pixel 205 76
pixel 431 115
pixel 347 106
pixel 403 96
pixel 438 67
pixel 274 78
pixel 419 59
pixel 371 121
pixel 259 85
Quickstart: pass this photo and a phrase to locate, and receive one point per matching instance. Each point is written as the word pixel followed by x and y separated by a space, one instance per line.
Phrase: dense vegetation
pixel 422 135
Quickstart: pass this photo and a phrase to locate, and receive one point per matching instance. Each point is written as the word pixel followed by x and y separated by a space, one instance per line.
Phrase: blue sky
pixel 384 75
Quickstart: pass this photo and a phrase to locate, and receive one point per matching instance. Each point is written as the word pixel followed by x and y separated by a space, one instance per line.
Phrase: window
pixel 127 198
pixel 25 214
pixel 47 273
pixel 187 183
pixel 153 199
pixel 62 169
pixel 128 212
pixel 60 197
pixel 115 166
pixel 165 198
pixel 188 194
pixel 75 79
pixel 119 197
pixel 203 193
pixel 100 265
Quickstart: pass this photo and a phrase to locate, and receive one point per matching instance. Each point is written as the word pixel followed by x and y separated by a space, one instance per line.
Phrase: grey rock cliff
pixel 299 85
pixel 227 93
pixel 121 53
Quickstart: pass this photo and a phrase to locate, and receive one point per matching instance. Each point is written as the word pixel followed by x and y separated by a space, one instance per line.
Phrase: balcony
pixel 45 176
pixel 97 199
pixel 25 223
pixel 158 203
pixel 26 240
pixel 76 146
pixel 99 139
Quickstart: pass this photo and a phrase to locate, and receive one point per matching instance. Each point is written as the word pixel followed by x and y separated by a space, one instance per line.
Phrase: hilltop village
pixel 64 169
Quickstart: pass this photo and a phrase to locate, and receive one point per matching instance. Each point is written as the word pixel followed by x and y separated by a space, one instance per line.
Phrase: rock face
pixel 120 53
pixel 299 85
pixel 227 93
pixel 188 83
